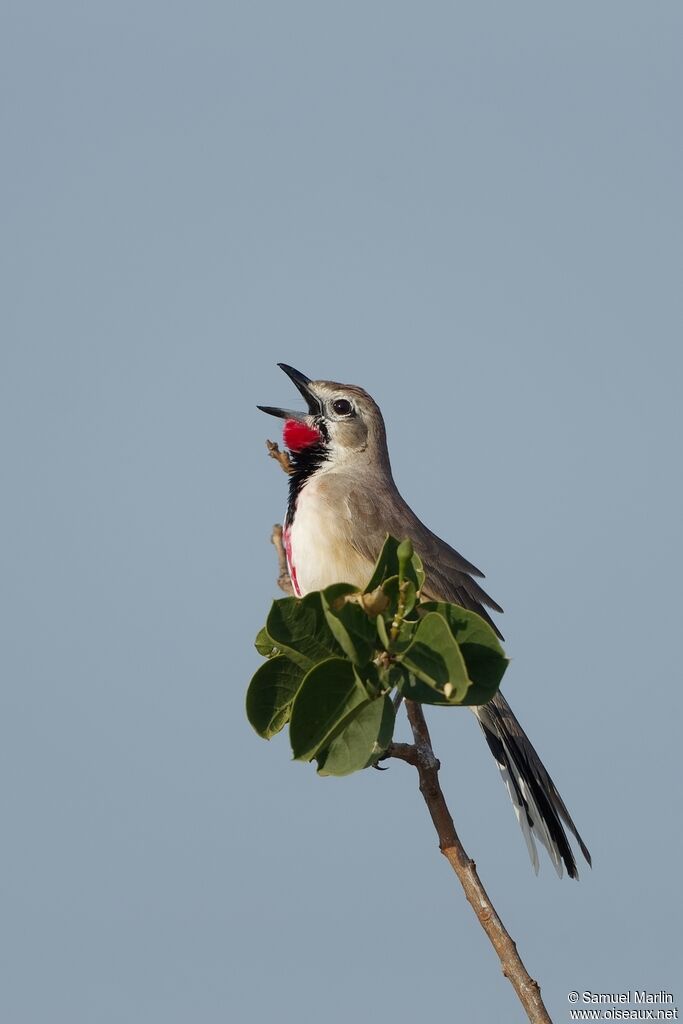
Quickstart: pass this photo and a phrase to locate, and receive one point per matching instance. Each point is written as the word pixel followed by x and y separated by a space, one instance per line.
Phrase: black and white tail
pixel 539 807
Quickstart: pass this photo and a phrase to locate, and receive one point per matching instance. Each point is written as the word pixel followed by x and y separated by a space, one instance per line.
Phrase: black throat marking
pixel 304 464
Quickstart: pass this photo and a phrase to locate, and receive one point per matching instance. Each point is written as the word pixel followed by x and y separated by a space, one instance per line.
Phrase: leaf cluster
pixel 335 657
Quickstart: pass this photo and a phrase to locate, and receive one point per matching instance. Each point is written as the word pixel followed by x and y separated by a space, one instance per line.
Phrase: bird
pixel 342 503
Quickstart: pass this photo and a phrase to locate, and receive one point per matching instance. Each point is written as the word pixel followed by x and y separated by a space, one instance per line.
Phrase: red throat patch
pixel 297 435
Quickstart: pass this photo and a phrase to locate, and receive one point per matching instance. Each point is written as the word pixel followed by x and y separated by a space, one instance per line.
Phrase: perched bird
pixel 342 503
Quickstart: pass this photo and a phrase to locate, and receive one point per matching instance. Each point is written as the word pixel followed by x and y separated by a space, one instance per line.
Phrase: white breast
pixel 320 549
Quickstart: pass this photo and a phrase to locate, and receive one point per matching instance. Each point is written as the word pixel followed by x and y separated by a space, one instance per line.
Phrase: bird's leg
pixel 283 580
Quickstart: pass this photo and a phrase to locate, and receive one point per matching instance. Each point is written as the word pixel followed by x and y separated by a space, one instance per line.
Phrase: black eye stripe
pixel 342 407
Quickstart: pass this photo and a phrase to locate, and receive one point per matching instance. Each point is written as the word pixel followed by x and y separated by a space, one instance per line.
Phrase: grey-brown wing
pixel 448 574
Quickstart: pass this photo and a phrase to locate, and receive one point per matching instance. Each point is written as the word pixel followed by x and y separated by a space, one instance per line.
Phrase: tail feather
pixel 521 814
pixel 539 807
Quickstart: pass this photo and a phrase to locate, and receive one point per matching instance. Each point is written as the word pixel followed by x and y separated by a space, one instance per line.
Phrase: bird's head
pixel 341 420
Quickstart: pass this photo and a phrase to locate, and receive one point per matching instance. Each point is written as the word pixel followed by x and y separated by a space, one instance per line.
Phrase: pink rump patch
pixel 290 566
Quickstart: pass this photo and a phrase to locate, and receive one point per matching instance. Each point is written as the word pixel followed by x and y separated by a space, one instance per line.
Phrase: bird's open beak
pixel 302 382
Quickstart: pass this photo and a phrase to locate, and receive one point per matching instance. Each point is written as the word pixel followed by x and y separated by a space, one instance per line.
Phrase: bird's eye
pixel 342 407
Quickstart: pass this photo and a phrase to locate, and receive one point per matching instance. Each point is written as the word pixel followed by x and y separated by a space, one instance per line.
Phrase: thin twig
pixel 280 457
pixel 403 751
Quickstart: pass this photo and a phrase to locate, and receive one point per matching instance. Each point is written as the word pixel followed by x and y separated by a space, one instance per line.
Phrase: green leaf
pixel 388 564
pixel 480 647
pixel 371 679
pixel 270 695
pixel 406 635
pixel 353 630
pixel 363 739
pixel 336 591
pixel 299 628
pixel 382 633
pixel 393 676
pixel 415 689
pixel 435 659
pixel 264 645
pixel 330 692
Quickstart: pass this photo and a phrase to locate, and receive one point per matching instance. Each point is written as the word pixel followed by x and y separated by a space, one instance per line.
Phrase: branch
pixel 421 755
pixel 403 751
pixel 527 989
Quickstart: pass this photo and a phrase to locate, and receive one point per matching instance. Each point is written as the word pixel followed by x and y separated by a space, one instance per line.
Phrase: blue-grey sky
pixel 472 210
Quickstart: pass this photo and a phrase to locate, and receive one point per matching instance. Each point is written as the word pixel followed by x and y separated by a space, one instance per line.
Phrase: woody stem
pixel 422 756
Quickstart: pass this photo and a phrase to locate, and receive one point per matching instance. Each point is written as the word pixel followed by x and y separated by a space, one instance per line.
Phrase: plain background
pixel 474 211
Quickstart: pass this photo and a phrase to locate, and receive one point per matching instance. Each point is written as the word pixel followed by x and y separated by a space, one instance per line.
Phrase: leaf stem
pixel 400 611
